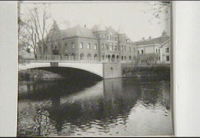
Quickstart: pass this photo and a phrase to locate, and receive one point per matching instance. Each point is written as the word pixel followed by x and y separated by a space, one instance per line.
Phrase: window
pixel 95 46
pixel 73 56
pixel 102 46
pixel 115 47
pixel 73 46
pixel 110 48
pixel 167 50
pixel 156 50
pixel 81 45
pixel 142 51
pixel 167 58
pixel 88 46
pixel 95 57
pixel 81 56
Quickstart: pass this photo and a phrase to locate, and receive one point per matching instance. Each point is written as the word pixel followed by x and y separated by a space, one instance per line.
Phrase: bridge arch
pixel 93 68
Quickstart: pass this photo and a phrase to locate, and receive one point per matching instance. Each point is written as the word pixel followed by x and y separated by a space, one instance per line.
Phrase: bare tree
pixel 160 8
pixel 34 27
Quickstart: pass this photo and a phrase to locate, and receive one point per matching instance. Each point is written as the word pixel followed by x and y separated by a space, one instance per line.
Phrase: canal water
pixel 113 107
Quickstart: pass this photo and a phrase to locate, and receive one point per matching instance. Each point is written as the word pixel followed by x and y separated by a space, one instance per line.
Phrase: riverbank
pixel 159 72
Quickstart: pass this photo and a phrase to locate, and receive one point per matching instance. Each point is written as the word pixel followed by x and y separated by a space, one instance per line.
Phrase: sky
pixel 135 18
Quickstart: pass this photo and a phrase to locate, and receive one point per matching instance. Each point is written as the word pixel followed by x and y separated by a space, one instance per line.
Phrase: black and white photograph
pixel 95 68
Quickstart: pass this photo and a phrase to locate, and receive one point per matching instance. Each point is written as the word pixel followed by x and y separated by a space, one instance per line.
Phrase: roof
pixel 158 40
pixel 77 31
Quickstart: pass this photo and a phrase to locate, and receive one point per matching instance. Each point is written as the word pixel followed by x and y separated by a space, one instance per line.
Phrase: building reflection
pixel 101 103
pixel 115 99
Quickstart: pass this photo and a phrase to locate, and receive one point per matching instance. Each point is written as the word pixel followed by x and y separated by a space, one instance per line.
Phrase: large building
pixel 81 43
pixel 97 44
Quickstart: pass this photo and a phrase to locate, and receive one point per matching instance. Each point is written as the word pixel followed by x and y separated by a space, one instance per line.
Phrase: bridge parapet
pixel 102 69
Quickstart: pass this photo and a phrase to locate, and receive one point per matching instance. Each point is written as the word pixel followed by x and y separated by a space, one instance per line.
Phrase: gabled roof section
pixel 77 31
pixel 158 40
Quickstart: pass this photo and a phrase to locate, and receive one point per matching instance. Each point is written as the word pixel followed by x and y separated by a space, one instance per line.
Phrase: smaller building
pixel 153 50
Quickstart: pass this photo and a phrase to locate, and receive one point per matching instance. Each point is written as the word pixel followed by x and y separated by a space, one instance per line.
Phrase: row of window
pixel 157 50
pixel 108 37
pixel 72 45
pixel 88 46
pixel 116 57
pixel 95 56
pixel 115 47
pixel 141 51
pixel 112 37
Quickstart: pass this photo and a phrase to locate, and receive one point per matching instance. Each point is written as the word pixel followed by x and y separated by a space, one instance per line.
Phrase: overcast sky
pixel 135 18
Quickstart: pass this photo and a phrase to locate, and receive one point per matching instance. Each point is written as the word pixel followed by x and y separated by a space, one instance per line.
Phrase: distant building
pixel 155 49
pixel 100 44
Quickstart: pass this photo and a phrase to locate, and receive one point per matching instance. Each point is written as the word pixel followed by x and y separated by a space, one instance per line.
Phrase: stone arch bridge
pixel 103 70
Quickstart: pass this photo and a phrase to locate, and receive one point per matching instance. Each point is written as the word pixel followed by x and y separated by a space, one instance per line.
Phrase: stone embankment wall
pixel 112 70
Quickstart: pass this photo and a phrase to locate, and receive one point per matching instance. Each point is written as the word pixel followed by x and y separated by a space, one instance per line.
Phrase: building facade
pixel 153 50
pixel 81 43
pixel 99 44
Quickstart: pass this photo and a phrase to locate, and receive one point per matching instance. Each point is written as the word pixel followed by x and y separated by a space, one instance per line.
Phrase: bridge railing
pixel 71 61
pixel 65 59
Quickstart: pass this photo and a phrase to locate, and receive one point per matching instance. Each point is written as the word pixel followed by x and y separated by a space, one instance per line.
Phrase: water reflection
pixel 108 107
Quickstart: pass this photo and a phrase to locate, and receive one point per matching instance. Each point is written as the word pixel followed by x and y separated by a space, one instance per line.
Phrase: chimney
pixel 149 37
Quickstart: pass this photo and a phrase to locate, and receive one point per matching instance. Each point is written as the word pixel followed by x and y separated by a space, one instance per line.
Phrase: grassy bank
pixel 160 72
